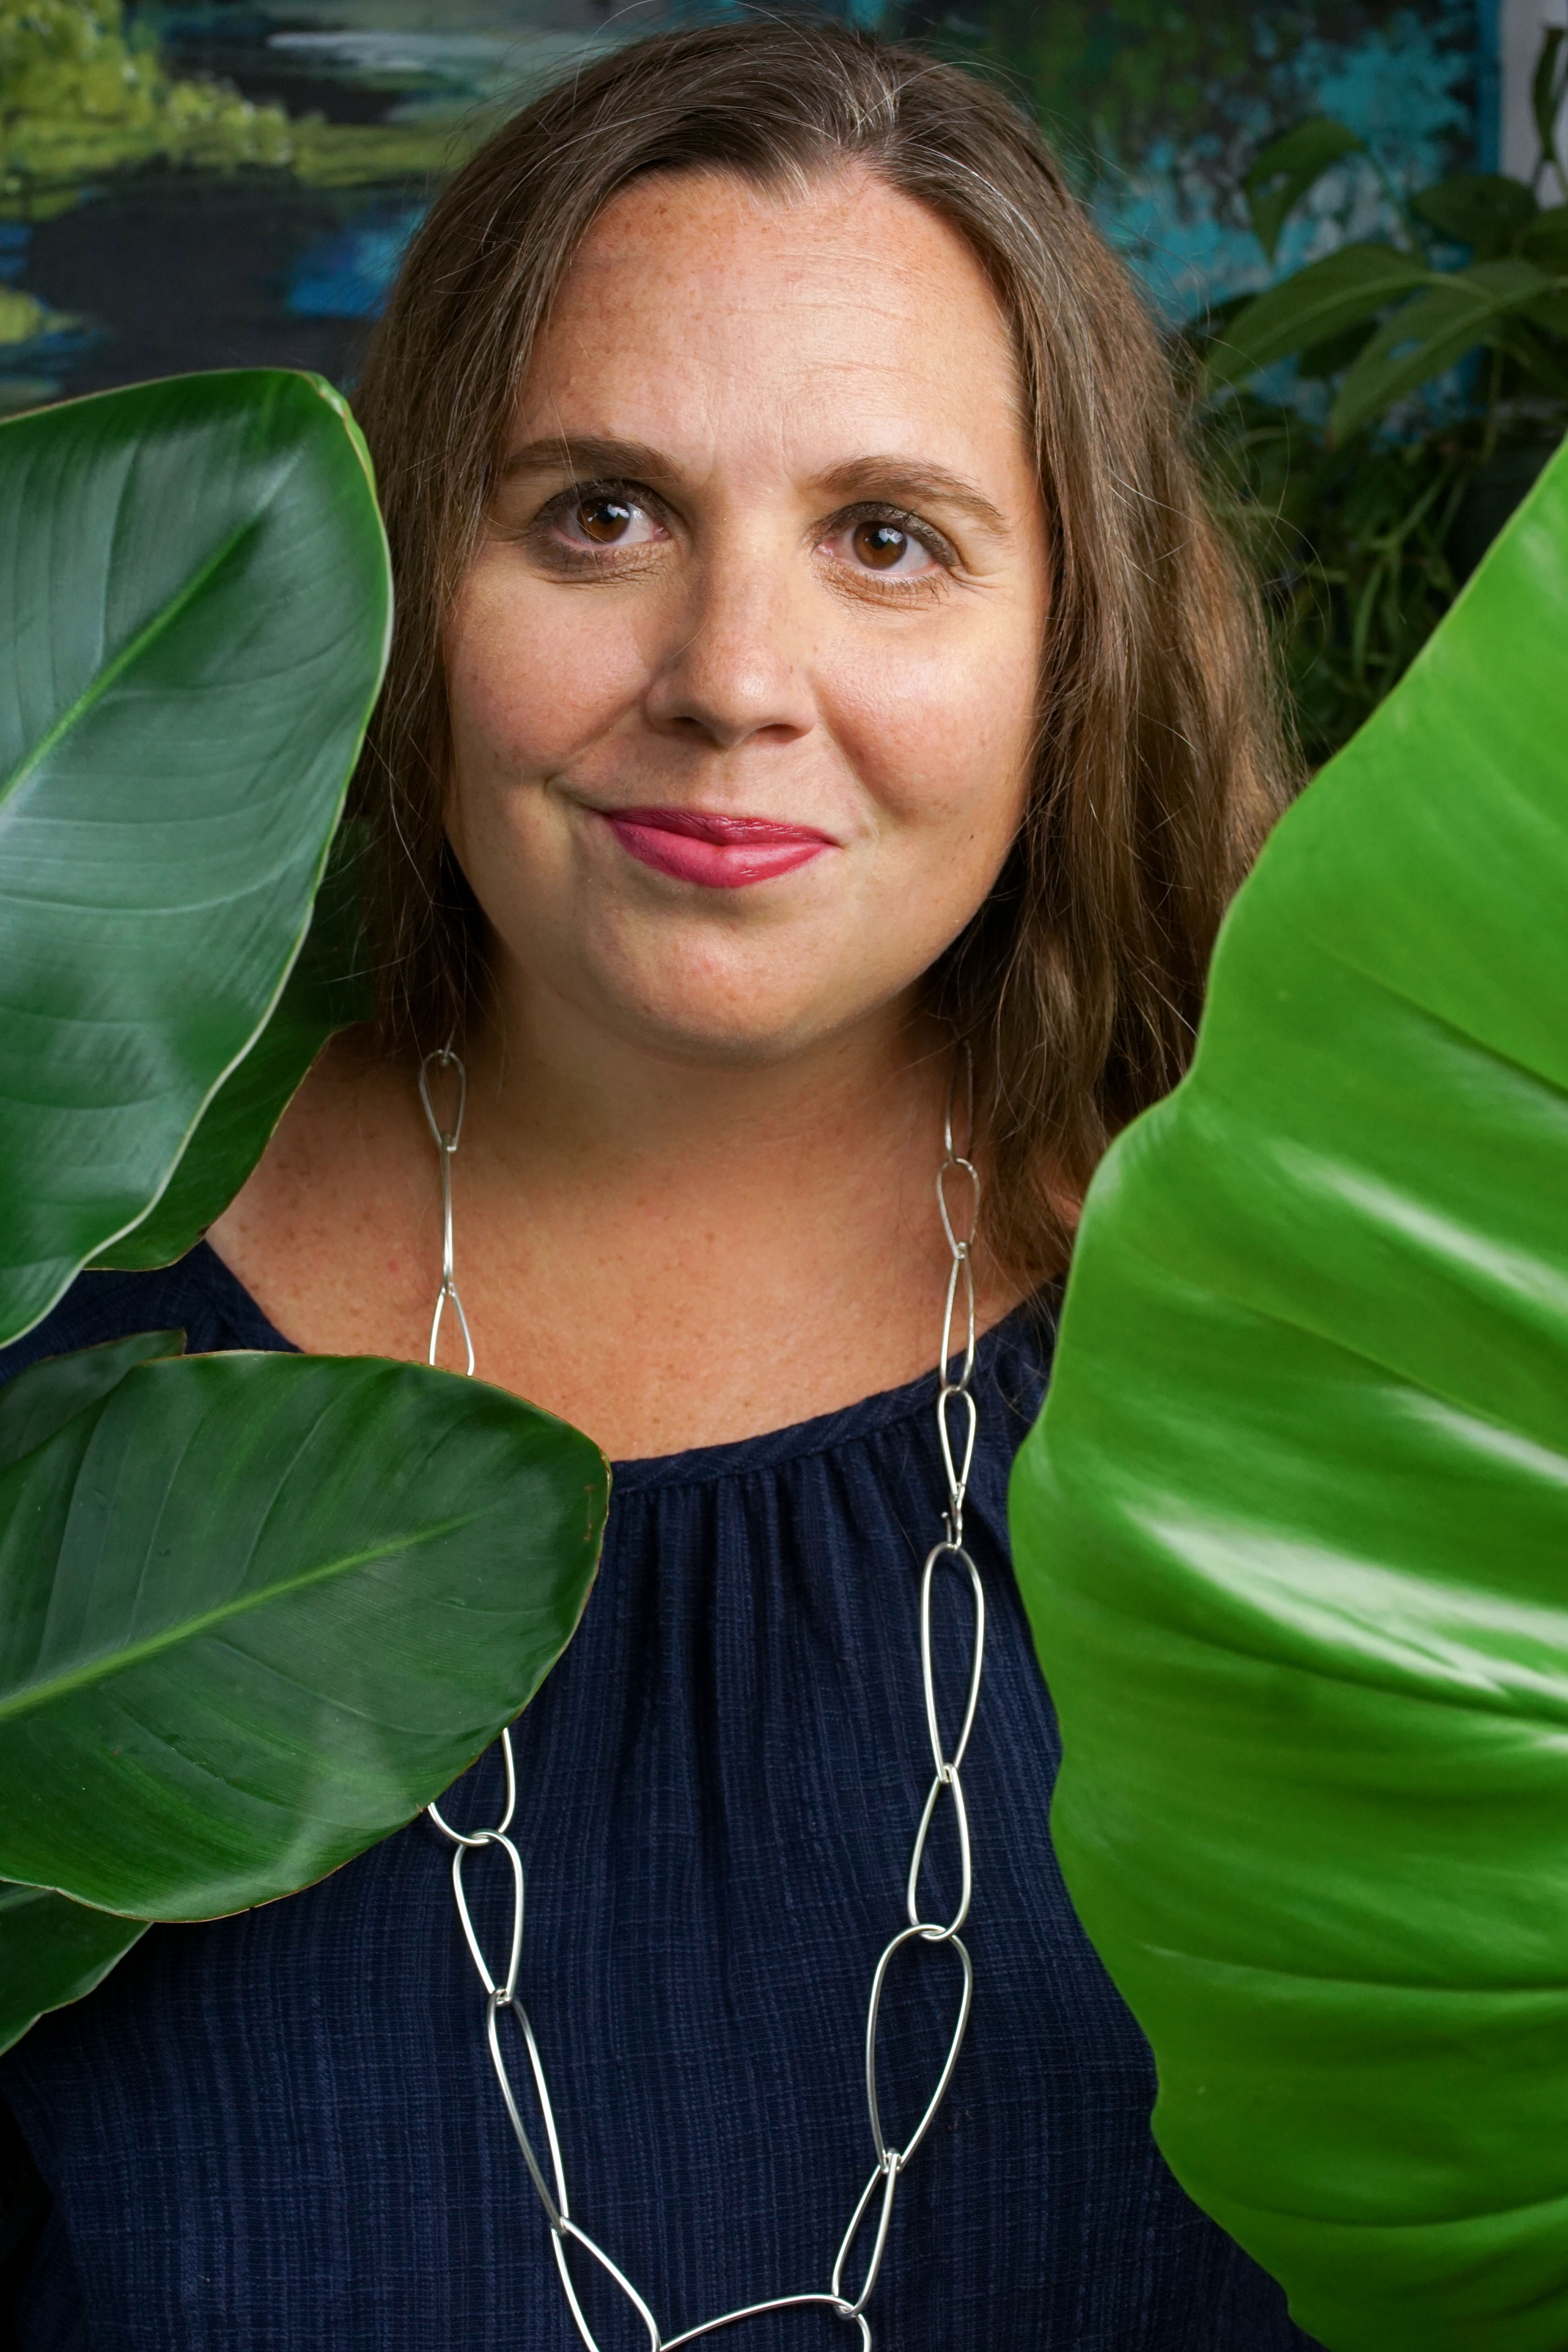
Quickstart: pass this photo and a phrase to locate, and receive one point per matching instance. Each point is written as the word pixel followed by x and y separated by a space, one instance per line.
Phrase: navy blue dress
pixel 281 2130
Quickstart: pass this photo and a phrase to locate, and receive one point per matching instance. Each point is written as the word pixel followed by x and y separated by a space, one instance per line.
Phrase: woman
pixel 819 709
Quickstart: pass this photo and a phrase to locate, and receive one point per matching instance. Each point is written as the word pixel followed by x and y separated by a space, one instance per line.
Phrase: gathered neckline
pixel 1025 1332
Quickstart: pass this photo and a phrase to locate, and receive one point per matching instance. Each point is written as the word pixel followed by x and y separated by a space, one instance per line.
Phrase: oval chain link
pixel 958 1200
pixel 446 1141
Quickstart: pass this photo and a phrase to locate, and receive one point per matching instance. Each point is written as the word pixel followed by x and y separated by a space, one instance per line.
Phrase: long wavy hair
pixel 1161 757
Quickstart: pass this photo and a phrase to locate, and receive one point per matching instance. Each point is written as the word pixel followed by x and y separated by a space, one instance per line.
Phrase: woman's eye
pixel 608 519
pixel 881 545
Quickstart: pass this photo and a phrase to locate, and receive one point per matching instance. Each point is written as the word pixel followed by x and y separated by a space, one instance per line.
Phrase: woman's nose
pixel 738 662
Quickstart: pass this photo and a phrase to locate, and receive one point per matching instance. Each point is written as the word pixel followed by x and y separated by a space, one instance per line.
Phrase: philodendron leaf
pixel 328 990
pixel 196 586
pixel 257 1610
pixel 53 1951
pixel 1293 1530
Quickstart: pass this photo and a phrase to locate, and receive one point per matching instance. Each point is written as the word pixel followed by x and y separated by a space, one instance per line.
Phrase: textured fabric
pixel 282 2130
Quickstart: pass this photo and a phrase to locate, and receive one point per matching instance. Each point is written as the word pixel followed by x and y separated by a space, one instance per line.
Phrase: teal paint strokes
pixel 1408 87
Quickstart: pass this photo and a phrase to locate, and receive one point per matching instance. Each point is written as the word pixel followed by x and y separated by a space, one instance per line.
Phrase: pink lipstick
pixel 723 852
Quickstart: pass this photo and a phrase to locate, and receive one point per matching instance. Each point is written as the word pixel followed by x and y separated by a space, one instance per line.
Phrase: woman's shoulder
pixel 196 1295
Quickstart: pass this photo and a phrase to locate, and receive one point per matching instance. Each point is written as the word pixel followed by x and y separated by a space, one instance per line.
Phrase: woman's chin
pixel 725 1037
pixel 735 1023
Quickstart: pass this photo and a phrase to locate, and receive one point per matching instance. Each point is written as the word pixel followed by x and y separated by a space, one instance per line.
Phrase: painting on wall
pixel 231 184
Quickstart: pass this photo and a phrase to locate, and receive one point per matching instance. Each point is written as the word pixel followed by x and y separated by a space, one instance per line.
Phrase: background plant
pixel 1364 511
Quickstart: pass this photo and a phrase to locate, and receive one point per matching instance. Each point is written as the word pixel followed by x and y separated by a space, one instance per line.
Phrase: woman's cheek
pixel 533 679
pixel 942 745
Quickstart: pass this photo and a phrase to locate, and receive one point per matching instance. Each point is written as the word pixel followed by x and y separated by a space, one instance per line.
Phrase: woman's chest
pixel 285 2128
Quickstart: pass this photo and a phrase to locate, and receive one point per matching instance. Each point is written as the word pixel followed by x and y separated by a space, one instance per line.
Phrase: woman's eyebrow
pixel 906 482
pixel 587 455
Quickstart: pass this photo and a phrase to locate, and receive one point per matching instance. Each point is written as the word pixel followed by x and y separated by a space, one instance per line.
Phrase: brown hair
pixel 1161 759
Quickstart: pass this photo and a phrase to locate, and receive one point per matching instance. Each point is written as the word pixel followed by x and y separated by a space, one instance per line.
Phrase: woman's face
pixel 743 678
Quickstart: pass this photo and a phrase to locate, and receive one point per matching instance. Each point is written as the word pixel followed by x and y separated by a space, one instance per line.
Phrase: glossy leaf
pixel 53 1951
pixel 1485 210
pixel 36 1403
pixel 1291 1531
pixel 257 1610
pixel 196 591
pixel 328 990
pixel 1345 289
pixel 1429 335
pixel 1284 171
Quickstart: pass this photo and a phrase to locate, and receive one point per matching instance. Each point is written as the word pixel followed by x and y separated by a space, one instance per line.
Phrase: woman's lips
pixel 724 853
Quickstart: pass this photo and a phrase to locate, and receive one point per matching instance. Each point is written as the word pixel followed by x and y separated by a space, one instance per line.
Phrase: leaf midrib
pixel 103 679
pixel 34 1695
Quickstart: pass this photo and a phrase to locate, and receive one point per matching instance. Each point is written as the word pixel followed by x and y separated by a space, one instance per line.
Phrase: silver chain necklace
pixel 874 2209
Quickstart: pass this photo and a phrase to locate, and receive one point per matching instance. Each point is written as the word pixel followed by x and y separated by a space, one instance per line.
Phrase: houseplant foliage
pixel 256 1609
pixel 260 1608
pixel 1367 522
pixel 198 591
pixel 1291 1529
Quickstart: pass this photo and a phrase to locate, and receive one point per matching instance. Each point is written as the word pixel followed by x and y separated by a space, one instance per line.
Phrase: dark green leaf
pixel 328 990
pixel 1282 174
pixel 1541 357
pixel 1334 354
pixel 35 1404
pixel 1291 1529
pixel 195 584
pixel 1484 210
pixel 51 1952
pixel 1545 241
pixel 1550 311
pixel 1429 335
pixel 256 1611
pixel 1345 289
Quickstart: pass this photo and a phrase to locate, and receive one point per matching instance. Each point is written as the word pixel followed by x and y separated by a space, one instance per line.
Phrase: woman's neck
pixel 666 1250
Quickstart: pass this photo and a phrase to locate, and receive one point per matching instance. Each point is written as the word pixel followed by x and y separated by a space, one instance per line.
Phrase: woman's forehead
pixel 838 307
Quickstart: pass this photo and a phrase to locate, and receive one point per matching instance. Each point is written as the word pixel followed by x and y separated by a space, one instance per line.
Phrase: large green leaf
pixel 53 1951
pixel 328 990
pixel 256 1611
pixel 196 591
pixel 1345 289
pixel 37 1403
pixel 1293 1530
